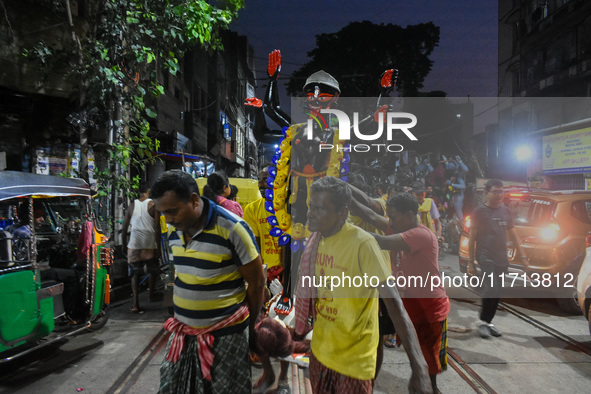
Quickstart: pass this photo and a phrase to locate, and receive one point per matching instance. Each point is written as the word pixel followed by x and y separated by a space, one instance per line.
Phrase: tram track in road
pixel 129 377
pixel 462 368
pixel 581 347
pixel 475 381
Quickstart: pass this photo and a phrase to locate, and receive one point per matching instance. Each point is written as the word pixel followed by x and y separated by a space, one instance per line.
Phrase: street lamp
pixel 523 153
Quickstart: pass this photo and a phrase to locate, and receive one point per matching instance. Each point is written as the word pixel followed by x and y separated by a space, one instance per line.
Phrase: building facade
pixel 545 59
pixel 201 122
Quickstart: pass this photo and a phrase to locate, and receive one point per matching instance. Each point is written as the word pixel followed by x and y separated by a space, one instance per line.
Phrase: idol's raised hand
pixel 274 67
pixel 388 80
pixel 253 102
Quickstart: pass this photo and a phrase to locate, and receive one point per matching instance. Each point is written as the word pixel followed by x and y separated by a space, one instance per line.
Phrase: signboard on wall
pixel 567 153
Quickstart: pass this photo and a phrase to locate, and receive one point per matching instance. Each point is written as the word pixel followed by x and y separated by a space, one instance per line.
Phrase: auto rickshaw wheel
pixel 101 319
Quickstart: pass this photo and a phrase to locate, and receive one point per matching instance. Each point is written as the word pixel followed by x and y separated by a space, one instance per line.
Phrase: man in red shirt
pixel 413 252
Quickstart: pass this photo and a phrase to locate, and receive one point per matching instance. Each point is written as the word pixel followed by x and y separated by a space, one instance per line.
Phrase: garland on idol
pixel 279 179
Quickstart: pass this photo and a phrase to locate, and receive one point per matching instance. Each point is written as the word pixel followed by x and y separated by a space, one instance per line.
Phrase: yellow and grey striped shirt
pixel 209 287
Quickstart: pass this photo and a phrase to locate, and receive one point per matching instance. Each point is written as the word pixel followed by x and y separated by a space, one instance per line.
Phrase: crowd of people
pixel 227 263
pixel 231 269
pixel 204 232
pixel 223 294
pixel 446 185
pixel 216 253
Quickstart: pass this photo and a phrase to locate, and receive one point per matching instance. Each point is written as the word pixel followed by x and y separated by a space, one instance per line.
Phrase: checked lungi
pixel 327 381
pixel 433 342
pixel 230 371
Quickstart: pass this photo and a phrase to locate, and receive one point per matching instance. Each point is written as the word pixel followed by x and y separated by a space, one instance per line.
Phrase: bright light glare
pixel 549 232
pixel 467 222
pixel 276 146
pixel 523 153
pixel 465 242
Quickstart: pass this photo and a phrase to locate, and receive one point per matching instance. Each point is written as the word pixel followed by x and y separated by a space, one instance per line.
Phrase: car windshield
pixel 531 212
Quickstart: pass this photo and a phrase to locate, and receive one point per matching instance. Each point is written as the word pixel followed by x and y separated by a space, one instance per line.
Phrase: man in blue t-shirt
pixel 492 224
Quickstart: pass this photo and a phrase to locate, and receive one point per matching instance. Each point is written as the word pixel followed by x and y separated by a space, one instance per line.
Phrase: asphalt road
pixel 543 350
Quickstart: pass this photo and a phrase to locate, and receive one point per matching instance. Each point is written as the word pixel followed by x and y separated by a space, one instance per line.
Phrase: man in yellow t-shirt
pixel 382 191
pixel 256 217
pixel 346 328
pixel 359 190
pixel 428 213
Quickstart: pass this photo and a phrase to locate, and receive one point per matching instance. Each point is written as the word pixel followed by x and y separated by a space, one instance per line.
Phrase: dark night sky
pixel 465 62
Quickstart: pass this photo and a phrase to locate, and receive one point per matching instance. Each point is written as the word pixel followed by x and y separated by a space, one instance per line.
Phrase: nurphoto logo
pixel 394 122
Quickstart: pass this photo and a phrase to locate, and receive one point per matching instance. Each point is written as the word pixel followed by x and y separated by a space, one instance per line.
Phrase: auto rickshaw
pixel 54 262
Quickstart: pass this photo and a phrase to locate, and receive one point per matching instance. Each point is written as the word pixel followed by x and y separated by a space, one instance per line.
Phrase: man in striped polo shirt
pixel 215 253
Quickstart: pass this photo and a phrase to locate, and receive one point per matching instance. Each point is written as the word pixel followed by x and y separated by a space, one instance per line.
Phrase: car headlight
pixel 550 232
pixel 465 241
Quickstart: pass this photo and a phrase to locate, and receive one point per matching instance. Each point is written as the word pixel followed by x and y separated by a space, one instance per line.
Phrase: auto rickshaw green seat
pixel 20 315
pixel 30 300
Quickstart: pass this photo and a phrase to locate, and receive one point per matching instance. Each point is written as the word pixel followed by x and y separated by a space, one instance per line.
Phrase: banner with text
pixel 567 153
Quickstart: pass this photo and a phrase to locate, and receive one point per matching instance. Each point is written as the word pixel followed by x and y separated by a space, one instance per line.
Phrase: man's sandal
pixel 390 342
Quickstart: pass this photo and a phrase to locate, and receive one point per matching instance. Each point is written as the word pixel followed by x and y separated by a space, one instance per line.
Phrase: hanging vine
pixel 117 51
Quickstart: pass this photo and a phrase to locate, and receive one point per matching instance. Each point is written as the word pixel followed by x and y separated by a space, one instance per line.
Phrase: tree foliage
pixel 358 54
pixel 116 52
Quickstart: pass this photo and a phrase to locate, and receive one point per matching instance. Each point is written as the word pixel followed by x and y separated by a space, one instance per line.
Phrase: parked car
pixel 552 227
pixel 584 283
